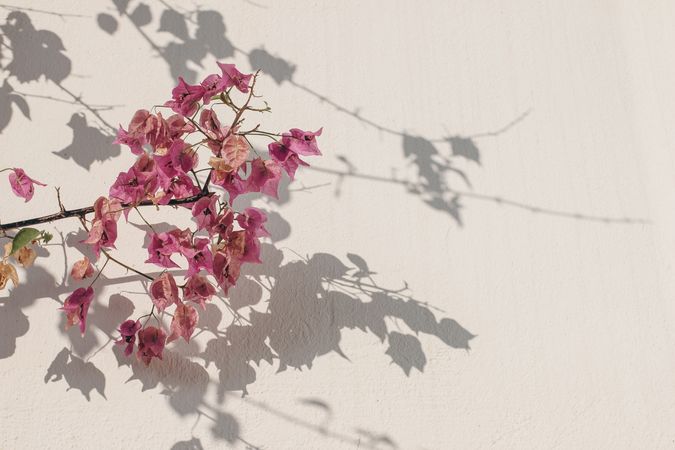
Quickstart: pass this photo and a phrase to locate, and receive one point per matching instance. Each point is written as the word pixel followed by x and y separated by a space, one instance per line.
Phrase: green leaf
pixel 23 238
pixel 46 237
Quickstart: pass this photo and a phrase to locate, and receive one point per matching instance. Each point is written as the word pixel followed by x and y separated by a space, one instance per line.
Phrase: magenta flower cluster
pixel 209 255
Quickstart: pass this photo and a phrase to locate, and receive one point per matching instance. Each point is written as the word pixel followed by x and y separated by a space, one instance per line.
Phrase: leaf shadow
pixel 39 55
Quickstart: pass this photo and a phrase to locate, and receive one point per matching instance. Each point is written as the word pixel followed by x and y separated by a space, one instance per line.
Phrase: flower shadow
pixel 38 55
pixel 77 373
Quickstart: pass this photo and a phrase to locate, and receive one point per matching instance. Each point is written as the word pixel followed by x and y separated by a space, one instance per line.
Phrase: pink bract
pixel 76 307
pixel 151 341
pixel 198 289
pixel 23 185
pixel 232 77
pixel 183 323
pixel 164 291
pixel 185 98
pixel 128 330
pixel 287 158
pixel 265 177
pixel 82 269
pixel 303 142
pixel 253 220
pixel 162 246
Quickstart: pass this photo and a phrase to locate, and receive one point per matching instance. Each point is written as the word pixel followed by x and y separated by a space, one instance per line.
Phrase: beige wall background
pixel 483 257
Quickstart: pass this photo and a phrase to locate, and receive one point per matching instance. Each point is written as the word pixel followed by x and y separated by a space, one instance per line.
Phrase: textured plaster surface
pixel 482 259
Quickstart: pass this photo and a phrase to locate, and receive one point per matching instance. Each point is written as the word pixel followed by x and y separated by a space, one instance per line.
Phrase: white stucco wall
pixel 505 170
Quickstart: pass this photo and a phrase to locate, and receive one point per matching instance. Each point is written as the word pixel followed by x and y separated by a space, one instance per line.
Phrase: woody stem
pixel 81 212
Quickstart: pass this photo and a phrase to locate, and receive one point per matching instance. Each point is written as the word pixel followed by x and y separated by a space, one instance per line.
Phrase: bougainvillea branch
pixel 165 173
pixel 80 212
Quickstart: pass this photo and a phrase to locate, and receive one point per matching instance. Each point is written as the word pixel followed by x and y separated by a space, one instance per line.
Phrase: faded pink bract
pixel 253 221
pixel 162 246
pixel 82 269
pixel 186 98
pixel 232 77
pixel 265 177
pixel 128 330
pixel 76 307
pixel 164 291
pixel 183 323
pixel 199 290
pixel 22 185
pixel 151 341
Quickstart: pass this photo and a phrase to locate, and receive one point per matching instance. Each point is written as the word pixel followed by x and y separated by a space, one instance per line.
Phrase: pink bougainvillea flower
pixel 244 247
pixel 127 188
pixel 166 161
pixel 107 209
pixel 233 184
pixel 162 246
pixel 199 256
pixel 196 251
pixel 210 124
pixel 141 123
pixel 236 244
pixel 177 126
pixel 288 159
pixel 133 142
pixel 145 166
pixel 144 128
pixel 183 239
pixel 183 323
pixel 198 289
pixel 151 343
pixel 221 169
pixel 251 249
pixel 226 177
pixel 303 142
pixel 213 85
pixel 82 269
pixel 264 177
pixel 128 330
pixel 102 234
pixel 253 221
pixel 23 185
pixel 178 187
pixel 185 98
pixel 223 224
pixel 234 151
pixel 205 211
pixel 157 132
pixel 226 269
pixel 178 159
pixel 232 77
pixel 164 291
pixel 76 307
pixel 134 135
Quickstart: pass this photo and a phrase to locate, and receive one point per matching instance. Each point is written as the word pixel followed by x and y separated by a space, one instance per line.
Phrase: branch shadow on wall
pixel 38 284
pixel 297 311
pixel 38 55
pixel 439 162
pixel 194 35
pixel 209 38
